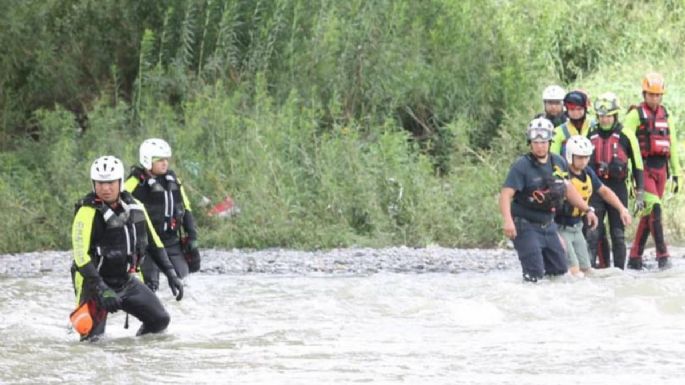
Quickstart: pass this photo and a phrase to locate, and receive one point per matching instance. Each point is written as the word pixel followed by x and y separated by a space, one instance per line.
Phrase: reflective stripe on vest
pixel 653 133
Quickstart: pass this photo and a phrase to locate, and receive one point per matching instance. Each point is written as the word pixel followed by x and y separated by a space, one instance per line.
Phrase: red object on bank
pixel 225 208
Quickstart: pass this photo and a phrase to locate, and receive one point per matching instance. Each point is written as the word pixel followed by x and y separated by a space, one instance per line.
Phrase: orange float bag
pixel 81 319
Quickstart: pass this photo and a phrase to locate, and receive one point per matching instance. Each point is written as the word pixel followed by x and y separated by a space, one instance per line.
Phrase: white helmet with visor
pixel 540 129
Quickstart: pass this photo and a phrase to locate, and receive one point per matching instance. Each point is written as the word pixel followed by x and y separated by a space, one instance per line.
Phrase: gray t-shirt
pixel 527 173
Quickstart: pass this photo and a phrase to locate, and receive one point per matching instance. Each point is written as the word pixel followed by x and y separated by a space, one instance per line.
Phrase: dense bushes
pixel 330 123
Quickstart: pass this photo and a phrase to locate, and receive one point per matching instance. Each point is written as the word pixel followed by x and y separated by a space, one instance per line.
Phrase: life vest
pixel 566 131
pixel 118 246
pixel 653 133
pixel 584 187
pixel 549 194
pixel 163 201
pixel 610 159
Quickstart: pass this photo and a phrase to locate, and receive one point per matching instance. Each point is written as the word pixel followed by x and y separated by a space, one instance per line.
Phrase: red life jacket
pixel 610 157
pixel 653 133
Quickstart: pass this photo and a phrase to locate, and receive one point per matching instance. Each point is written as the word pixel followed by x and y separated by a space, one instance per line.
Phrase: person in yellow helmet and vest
pixel 616 151
pixel 535 188
pixel 161 191
pixel 656 135
pixel 569 219
pixel 577 104
pixel 110 234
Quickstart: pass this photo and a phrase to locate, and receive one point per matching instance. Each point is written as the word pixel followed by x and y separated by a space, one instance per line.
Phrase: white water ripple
pixel 472 327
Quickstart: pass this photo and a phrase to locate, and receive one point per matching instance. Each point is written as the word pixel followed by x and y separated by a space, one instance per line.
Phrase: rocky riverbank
pixel 348 261
pixel 279 261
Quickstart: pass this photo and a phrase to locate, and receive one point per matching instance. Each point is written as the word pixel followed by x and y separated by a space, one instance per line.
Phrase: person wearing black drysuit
pixel 154 184
pixel 110 234
pixel 615 150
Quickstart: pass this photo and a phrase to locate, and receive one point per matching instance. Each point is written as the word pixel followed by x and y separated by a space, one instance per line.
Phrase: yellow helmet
pixel 653 83
pixel 607 104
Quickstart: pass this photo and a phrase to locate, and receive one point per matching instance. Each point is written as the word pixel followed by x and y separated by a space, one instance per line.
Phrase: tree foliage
pixel 333 122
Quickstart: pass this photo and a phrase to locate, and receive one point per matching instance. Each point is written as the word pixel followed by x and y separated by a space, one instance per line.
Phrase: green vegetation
pixel 330 123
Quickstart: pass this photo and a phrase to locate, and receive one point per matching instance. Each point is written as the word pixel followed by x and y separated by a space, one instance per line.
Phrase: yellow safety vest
pixel 583 187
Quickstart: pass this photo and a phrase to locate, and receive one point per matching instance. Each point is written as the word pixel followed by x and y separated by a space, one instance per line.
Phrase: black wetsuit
pixel 108 243
pixel 165 201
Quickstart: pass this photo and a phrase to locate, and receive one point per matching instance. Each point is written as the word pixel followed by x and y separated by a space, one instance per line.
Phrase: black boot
pixel 635 263
pixel 664 263
pixel 529 278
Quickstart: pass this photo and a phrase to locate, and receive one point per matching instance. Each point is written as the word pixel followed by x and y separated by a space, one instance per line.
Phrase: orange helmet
pixel 653 83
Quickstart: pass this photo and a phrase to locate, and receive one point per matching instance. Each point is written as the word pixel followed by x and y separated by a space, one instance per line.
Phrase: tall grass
pixel 329 123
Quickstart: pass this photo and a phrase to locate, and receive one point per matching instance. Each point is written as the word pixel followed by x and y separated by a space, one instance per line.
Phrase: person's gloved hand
pixel 674 179
pixel 639 201
pixel 194 262
pixel 175 284
pixel 109 299
pixel 192 255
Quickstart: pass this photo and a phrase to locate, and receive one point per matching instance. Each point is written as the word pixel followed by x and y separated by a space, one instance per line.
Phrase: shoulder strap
pixel 127 197
pixel 138 173
pixel 91 200
pixel 171 177
pixel 565 131
pixel 665 111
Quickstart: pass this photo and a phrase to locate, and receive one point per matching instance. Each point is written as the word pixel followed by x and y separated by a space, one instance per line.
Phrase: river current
pixel 412 316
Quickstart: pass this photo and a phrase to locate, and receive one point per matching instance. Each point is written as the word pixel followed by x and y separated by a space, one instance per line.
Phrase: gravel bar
pixel 345 261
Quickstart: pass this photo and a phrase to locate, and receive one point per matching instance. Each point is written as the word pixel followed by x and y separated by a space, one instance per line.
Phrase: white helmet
pixel 540 128
pixel 578 145
pixel 106 169
pixel 153 148
pixel 553 92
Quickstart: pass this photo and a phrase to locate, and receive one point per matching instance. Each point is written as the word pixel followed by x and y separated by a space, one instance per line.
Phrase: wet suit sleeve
pixel 155 247
pixel 631 123
pixel 674 160
pixel 635 158
pixel 81 233
pixel 557 139
pixel 189 225
pixel 184 196
pixel 188 218
pixel 131 184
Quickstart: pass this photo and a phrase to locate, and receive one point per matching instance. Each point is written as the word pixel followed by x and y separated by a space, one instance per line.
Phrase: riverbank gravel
pixel 280 261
